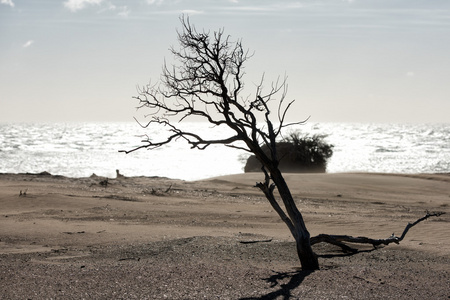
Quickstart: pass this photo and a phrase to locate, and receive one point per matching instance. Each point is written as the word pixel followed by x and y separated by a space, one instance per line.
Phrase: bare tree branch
pixel 267 188
pixel 339 239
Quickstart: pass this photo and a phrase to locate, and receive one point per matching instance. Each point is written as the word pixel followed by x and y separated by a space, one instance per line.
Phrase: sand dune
pixel 69 237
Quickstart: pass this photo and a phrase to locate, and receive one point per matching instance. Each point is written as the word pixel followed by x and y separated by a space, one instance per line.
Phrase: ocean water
pixel 82 149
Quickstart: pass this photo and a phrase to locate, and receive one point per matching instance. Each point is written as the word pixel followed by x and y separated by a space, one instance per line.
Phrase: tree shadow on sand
pixel 285 289
pixel 296 277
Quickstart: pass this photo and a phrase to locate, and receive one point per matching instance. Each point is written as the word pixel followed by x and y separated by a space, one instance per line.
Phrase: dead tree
pixel 207 84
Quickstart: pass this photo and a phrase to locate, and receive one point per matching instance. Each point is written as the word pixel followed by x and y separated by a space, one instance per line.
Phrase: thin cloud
pixel 266 7
pixel 155 2
pixel 8 2
pixel 75 5
pixel 122 11
pixel 167 7
pixel 192 12
pixel 28 44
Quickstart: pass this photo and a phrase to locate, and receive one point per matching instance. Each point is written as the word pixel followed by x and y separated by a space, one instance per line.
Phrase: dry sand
pixel 157 238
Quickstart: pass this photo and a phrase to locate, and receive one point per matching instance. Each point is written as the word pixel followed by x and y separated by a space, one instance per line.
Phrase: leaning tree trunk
pixel 308 258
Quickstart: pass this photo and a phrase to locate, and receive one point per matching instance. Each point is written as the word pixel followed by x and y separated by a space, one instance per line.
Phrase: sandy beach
pixel 158 238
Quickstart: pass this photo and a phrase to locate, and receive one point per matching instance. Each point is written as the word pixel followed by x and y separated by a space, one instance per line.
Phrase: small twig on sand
pixel 255 241
pixel 168 189
pixel 104 183
pixel 130 258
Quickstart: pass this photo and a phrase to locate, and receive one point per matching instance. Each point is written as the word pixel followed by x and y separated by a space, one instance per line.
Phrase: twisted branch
pixel 339 239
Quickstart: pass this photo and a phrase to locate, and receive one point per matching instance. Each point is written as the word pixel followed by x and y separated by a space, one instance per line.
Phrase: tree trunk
pixel 308 258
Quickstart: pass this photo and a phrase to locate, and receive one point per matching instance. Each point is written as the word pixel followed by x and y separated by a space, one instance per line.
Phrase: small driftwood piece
pixel 104 183
pixel 255 241
pixel 339 239
pixel 168 189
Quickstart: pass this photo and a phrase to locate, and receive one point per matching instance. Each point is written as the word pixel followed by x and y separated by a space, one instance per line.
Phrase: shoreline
pixel 413 175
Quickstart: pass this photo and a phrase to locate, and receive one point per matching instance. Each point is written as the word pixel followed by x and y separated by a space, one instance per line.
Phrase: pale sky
pixel 346 60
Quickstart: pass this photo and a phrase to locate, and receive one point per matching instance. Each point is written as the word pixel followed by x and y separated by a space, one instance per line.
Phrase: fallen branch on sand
pixel 70 232
pixel 255 241
pixel 339 239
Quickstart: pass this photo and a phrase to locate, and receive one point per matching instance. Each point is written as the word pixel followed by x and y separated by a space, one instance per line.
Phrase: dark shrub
pixel 298 154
